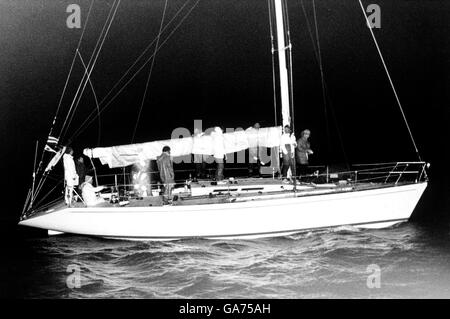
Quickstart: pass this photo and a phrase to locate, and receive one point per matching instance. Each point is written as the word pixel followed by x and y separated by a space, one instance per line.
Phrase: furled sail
pixel 124 155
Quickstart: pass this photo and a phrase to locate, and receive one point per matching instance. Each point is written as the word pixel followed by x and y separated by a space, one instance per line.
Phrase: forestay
pixel 124 155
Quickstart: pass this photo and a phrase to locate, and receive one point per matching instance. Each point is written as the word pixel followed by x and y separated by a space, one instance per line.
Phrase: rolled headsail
pixel 125 155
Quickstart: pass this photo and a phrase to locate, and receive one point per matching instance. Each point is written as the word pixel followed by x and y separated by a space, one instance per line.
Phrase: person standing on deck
pixel 288 144
pixel 81 169
pixel 219 152
pixel 199 160
pixel 302 152
pixel 254 160
pixel 70 175
pixel 166 173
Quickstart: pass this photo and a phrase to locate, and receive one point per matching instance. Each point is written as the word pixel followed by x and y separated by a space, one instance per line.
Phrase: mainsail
pixel 125 155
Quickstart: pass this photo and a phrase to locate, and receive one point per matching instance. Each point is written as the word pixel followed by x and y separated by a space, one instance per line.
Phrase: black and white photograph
pixel 247 151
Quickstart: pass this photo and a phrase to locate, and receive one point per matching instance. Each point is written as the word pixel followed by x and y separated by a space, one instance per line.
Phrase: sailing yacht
pixel 370 196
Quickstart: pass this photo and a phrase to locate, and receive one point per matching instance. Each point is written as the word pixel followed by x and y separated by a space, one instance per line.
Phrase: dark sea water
pixel 413 261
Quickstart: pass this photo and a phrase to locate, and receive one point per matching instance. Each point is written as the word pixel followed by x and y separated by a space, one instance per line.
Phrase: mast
pixel 282 64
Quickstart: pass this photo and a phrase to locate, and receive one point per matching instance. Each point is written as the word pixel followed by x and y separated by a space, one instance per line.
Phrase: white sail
pixel 124 155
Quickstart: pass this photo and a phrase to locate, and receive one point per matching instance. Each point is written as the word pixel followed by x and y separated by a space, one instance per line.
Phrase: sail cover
pixel 125 155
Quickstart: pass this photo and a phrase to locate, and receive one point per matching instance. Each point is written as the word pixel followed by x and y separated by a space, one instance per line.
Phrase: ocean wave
pixel 326 263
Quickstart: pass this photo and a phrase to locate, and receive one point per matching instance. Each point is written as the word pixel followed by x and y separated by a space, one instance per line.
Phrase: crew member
pixel 166 173
pixel 89 192
pixel 254 154
pixel 199 160
pixel 219 152
pixel 81 169
pixel 302 152
pixel 70 176
pixel 288 144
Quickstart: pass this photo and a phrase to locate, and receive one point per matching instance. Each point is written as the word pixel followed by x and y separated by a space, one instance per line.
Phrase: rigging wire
pixel 78 131
pixel 325 87
pixel 390 81
pixel 34 171
pixel 270 5
pixel 133 64
pixel 88 121
pixel 44 176
pixel 319 55
pixel 95 98
pixel 40 185
pixel 291 83
pixel 272 43
pixel 71 67
pixel 66 83
pixel 48 193
pixel 89 65
pixel 151 70
pixel 25 205
pixel 62 96
pixel 290 76
pixel 92 66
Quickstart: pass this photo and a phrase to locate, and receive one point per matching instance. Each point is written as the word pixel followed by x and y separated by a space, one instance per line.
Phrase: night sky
pixel 217 67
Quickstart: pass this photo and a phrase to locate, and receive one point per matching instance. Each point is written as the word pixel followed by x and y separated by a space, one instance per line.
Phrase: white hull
pixel 371 208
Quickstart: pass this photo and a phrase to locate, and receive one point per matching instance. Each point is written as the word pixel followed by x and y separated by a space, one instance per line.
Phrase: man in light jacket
pixel 70 175
pixel 287 146
pixel 89 192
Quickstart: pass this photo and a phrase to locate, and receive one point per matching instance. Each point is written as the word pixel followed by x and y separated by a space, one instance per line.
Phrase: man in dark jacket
pixel 80 167
pixel 302 152
pixel 165 168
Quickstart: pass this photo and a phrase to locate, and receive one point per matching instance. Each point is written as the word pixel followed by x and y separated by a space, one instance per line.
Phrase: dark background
pixel 217 67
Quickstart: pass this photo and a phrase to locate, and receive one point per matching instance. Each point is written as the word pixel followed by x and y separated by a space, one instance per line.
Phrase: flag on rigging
pixel 52 140
pixel 49 149
pixel 51 143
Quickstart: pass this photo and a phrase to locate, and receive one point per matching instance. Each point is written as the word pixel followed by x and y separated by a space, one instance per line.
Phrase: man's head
pixel 80 159
pixel 287 129
pixel 256 125
pixel 69 150
pixel 306 133
pixel 88 179
pixel 166 149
